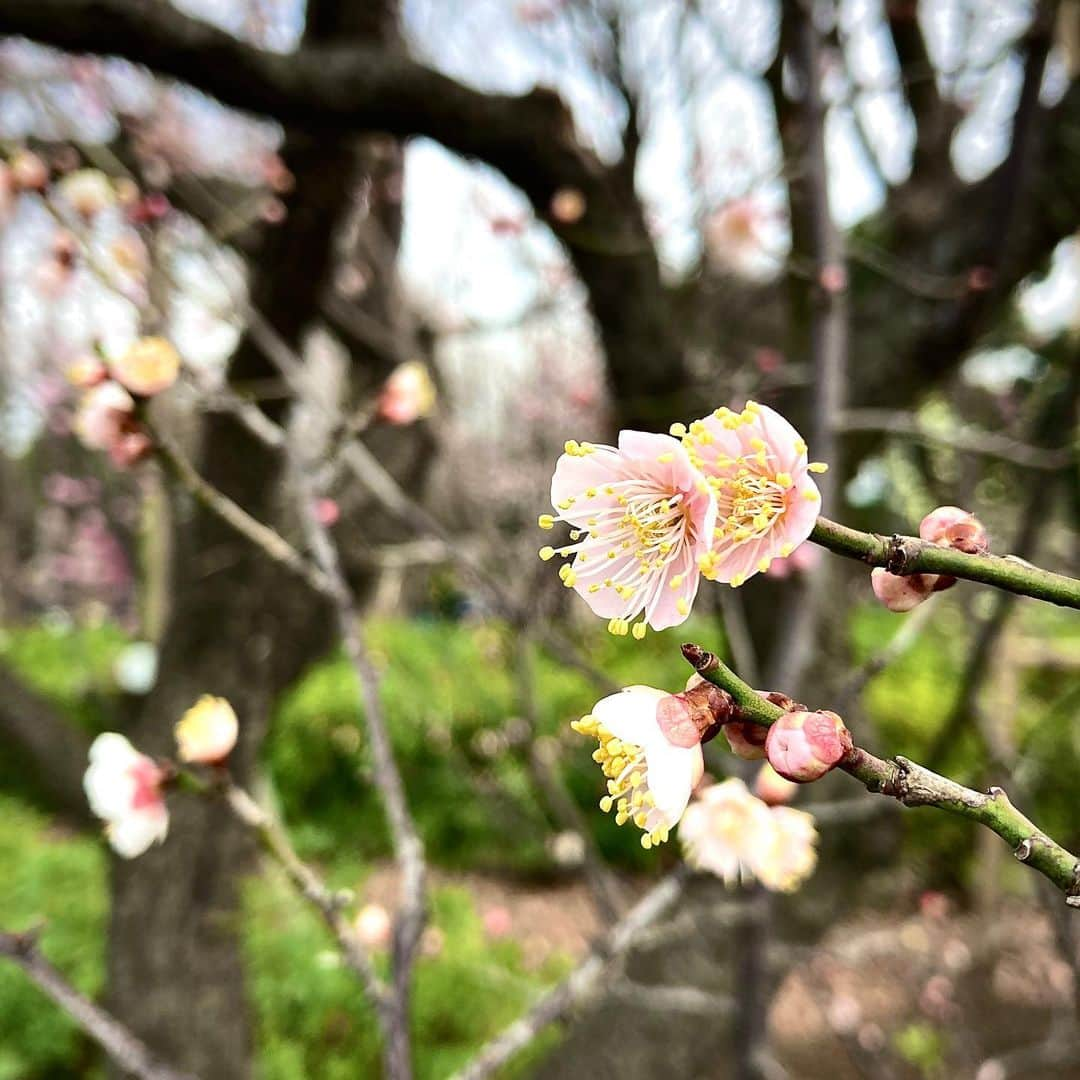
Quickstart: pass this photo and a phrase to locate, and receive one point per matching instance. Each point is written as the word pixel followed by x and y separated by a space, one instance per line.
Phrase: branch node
pixel 1024 849
pixel 897 554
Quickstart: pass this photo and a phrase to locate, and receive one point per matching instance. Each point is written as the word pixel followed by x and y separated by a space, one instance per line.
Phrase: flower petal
pixel 630 715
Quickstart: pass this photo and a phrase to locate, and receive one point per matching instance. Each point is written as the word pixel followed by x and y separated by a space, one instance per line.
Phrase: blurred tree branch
pixel 54 749
pixel 128 1052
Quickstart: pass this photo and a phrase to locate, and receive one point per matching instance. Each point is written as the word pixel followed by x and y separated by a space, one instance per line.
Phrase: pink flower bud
pixel 695 715
pixel 568 206
pixel 407 395
pixel 804 746
pixel 899 593
pixel 746 739
pixel 950 526
pixel 148 367
pixel 771 788
pixel 28 171
pixel 327 512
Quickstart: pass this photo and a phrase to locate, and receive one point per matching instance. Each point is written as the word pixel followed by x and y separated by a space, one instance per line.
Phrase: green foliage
pixel 922 1046
pixel 451 702
pixel 311 1014
pixel 59 880
pixel 68 664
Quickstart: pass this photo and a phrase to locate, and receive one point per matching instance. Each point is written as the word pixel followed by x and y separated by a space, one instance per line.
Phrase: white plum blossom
pixel 649 778
pixel 123 788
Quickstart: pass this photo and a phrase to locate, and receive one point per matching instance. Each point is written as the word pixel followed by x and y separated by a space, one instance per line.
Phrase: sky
pixel 710 138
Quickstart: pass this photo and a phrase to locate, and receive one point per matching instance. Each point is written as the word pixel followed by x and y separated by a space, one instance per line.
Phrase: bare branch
pixel 556 1003
pixel 309 885
pixel 129 1053
pixel 913 784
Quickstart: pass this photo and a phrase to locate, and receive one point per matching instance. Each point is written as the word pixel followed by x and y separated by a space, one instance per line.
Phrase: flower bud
pixel 804 746
pixel 901 593
pixel 950 526
pixel 771 788
pixel 207 732
pixel 695 715
pixel 746 739
pixel 148 367
pixel 373 926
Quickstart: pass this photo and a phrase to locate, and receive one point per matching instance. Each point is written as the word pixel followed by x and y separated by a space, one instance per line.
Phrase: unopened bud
pixel 695 715
pixel 746 739
pixel 771 788
pixel 902 593
pixel 804 746
pixel 951 526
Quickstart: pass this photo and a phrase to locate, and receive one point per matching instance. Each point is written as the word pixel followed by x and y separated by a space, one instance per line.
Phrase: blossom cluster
pixel 649 749
pixel 106 417
pixel 947 526
pixel 722 498
pixel 126 788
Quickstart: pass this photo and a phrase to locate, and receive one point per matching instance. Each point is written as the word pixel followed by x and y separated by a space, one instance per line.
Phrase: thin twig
pixel 126 1050
pixel 556 1003
pixel 308 883
pixel 408 848
pixel 959 437
pixel 262 536
pixel 914 785
pixel 910 555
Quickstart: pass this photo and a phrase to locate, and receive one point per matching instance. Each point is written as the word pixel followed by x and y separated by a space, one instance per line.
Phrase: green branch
pixel 914 785
pixel 910 555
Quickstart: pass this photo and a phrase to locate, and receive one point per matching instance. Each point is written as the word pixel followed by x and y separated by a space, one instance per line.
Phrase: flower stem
pixel 910 555
pixel 914 785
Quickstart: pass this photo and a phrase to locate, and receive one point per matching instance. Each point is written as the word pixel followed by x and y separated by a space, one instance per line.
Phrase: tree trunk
pixel 241 629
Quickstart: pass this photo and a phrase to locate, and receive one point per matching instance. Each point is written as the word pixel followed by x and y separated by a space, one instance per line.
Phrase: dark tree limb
pixel 53 749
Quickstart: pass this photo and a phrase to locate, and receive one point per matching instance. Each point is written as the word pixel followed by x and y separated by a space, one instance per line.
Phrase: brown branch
pixel 556 1003
pixel 128 1052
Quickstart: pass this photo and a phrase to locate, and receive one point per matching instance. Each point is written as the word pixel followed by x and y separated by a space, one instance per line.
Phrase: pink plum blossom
pixel 148 367
pixel 642 518
pixel 950 526
pixel 28 171
pixel 729 832
pixel 734 235
pixel 804 746
pixel 206 733
pixel 123 788
pixel 767 502
pixel 102 414
pixel 649 778
pixel 408 395
pixel 86 371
